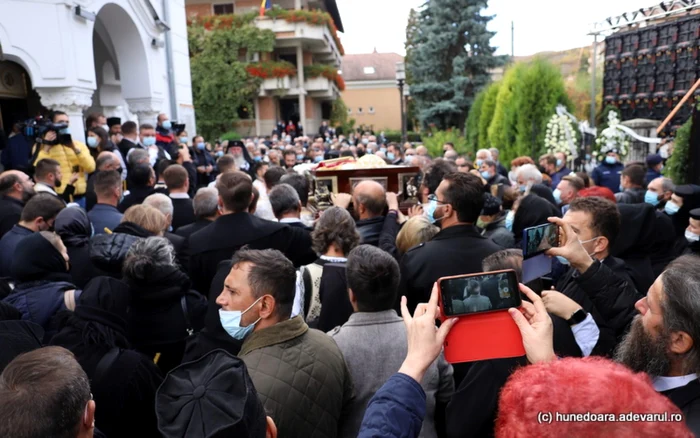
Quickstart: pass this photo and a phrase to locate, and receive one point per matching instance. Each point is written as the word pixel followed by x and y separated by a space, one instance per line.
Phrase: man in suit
pixel 664 338
pixel 143 178
pixel 164 204
pixel 458 248
pixel 15 190
pixel 130 138
pixel 286 206
pixel 106 161
pixel 104 215
pixel 178 184
pixel 236 228
pixel 206 210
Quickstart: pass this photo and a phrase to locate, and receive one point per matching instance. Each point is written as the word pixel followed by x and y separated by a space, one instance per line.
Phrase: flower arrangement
pixel 327 71
pixel 555 139
pixel 271 69
pixel 612 139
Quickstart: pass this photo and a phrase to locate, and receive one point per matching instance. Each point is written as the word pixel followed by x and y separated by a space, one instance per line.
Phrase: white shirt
pixel 298 305
pixel 262 188
pixel 665 383
pixel 586 334
pixel 290 220
pixel 179 196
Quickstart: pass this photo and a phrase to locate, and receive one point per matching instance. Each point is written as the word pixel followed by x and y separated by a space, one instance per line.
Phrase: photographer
pixel 73 156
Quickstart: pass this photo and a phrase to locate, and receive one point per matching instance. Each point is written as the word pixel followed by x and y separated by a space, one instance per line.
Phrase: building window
pixel 371 110
pixel 359 110
pixel 369 70
pixel 349 111
pixel 223 9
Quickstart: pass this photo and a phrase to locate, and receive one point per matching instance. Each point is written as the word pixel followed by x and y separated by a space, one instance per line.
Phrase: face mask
pixel 257 159
pixel 64 131
pixel 510 218
pixel 691 237
pixel 231 322
pixel 106 128
pixel 183 140
pixel 92 142
pixel 589 240
pixel 167 124
pixel 671 208
pixel 651 198
pixel 563 261
pixel 557 195
pixel 220 154
pixel 559 163
pixel 391 156
pixel 522 188
pixel 430 211
pixel 622 189
pixel 479 162
pixel 383 150
pixel 318 159
pixel 300 158
pixel 610 160
pixel 201 146
pixel 486 174
pixel 365 141
pixel 149 141
pixel 408 159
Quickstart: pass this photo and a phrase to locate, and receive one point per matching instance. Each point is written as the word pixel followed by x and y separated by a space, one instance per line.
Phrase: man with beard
pixel 15 190
pixel 241 158
pixel 662 339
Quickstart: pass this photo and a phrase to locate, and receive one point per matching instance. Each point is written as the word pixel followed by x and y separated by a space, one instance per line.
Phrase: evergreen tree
pixel 410 44
pixel 450 60
pixel 487 112
pixel 473 121
pixel 502 130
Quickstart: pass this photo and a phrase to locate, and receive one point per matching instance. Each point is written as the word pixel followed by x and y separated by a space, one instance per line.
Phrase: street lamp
pixel 401 81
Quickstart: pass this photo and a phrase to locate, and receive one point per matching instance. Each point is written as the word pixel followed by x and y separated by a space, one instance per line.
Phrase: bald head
pixel 107 161
pixel 369 199
pixel 16 184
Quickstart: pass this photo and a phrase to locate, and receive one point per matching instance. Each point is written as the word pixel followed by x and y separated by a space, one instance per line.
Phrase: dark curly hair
pixel 335 226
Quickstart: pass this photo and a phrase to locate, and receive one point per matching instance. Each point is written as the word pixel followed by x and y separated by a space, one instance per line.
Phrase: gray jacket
pixel 374 346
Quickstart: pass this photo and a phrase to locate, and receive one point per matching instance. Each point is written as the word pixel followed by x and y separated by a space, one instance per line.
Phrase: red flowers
pixel 271 69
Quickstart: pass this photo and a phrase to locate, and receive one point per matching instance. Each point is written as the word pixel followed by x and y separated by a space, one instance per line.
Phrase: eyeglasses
pixel 432 198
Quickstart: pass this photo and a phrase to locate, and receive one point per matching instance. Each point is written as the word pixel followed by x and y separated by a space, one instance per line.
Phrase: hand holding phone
pixel 570 247
pixel 536 328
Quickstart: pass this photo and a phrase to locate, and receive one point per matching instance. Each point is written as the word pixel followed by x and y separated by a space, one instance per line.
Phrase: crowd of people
pixel 155 284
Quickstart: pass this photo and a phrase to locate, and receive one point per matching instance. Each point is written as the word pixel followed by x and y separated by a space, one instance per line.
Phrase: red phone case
pixel 482 336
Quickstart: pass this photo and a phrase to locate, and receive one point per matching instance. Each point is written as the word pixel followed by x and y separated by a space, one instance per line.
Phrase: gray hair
pixel 529 172
pixel 137 156
pixel 206 202
pixel 161 203
pixel 146 256
pixel 494 153
pixel 284 199
pixel 667 185
pixel 451 155
pixel 484 151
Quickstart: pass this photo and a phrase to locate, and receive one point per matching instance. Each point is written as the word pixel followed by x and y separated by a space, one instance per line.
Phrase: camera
pixel 36 127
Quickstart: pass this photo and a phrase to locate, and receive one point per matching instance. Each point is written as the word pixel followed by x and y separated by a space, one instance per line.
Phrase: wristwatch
pixel 577 317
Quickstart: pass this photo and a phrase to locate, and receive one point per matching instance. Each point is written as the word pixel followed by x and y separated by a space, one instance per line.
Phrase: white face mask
pixel 691 237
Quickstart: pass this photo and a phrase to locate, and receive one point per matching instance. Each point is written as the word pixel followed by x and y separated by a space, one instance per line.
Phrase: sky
pixel 540 25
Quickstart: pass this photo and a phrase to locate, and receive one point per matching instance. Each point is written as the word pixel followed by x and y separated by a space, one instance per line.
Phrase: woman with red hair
pixel 600 191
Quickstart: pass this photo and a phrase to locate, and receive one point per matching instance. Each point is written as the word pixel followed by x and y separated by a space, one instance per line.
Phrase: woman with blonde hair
pixel 415 231
pixel 146 217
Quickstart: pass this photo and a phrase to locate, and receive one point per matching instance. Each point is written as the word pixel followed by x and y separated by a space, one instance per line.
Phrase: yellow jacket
pixel 67 157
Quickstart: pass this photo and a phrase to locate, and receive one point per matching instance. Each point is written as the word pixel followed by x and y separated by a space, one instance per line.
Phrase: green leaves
pixel 677 166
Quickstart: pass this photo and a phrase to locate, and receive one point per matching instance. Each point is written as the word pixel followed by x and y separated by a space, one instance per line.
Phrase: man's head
pixel 206 203
pixel 568 189
pixel 549 162
pixel 94 120
pixel 463 165
pixel 46 393
pixel 373 279
pixel 164 121
pixel 481 156
pixel 459 199
pixel 48 171
pixel 433 175
pixel 448 147
pixel 136 157
pixel 60 118
pixel 147 217
pixel 285 202
pixel 260 167
pixel 488 169
pixel 655 162
pixel 130 130
pixel 491 210
pixel 369 199
pixel 421 150
pixel 17 185
pixel 163 204
pixel 274 156
pixel 161 167
pixel 494 154
pixel 300 184
pixel 39 214
pixel 262 285
pixel 108 187
pixel 235 192
pixel 596 222
pixel 176 179
pixel 561 159
pixel 662 339
pixel 147 134
pixel 335 232
pixel 107 161
pixel 226 164
pixel 527 176
pixel 393 152
pixel 142 175
pixel 451 155
pixel 662 189
pixel 633 177
pixel 273 175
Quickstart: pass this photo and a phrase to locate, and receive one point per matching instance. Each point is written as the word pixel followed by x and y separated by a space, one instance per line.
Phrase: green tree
pixel 502 130
pixel 410 44
pixel 450 60
pixel 220 82
pixel 473 121
pixel 487 113
pixel 339 117
pixel 678 165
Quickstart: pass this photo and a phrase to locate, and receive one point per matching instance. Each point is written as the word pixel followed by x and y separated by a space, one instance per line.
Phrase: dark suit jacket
pixel 125 146
pixel 181 249
pixel 136 196
pixel 183 212
pixel 220 240
pixel 10 211
pixel 687 398
pixel 187 230
pixel 453 251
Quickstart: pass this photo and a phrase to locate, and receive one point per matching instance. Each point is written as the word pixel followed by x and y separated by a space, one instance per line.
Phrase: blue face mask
pixel 610 160
pixel 510 217
pixel 219 154
pixel 258 158
pixel 522 188
pixel 486 174
pixel 201 146
pixel 92 142
pixel 183 140
pixel 479 162
pixel 318 159
pixel 563 261
pixel 149 141
pixel 651 198
pixel 231 322
pixel 671 208
pixel 383 150
pixel 64 131
pixel 300 158
pixel 559 163
pixel 167 124
pixel 622 189
pixel 391 156
pixel 557 195
pixel 429 209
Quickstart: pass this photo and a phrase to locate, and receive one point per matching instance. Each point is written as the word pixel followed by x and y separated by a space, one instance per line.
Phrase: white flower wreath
pixel 555 138
pixel 612 139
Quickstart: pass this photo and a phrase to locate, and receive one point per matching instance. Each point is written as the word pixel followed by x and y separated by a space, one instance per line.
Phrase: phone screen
pixel 480 293
pixel 539 239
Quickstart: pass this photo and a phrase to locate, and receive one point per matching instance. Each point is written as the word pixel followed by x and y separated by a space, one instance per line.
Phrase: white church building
pixel 124 58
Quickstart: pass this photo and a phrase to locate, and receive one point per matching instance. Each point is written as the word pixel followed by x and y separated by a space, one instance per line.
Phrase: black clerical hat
pixel 695 214
pixel 114 121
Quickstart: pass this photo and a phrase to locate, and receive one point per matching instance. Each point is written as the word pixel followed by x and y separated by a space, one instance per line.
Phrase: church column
pixel 146 109
pixel 70 100
pixel 302 90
